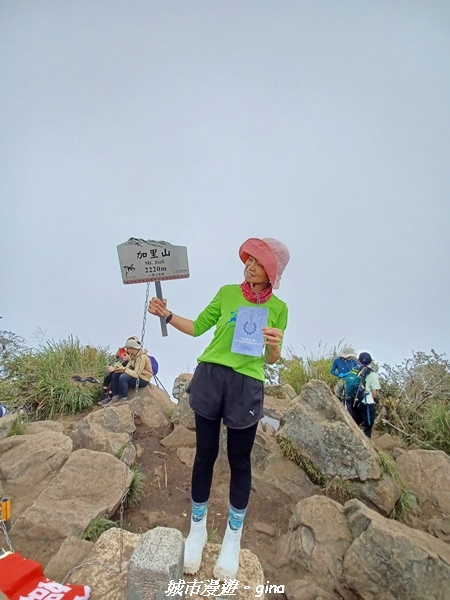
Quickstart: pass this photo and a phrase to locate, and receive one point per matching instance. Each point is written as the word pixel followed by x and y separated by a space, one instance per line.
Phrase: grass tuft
pixel 96 527
pixel 137 487
pixel 313 472
pixel 388 466
pixel 120 451
pixel 341 489
pixel 407 506
pixel 18 426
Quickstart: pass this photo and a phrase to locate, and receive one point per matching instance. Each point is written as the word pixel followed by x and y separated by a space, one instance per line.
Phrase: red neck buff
pixel 258 298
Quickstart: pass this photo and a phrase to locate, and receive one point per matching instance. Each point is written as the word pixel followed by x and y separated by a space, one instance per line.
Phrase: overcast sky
pixel 202 123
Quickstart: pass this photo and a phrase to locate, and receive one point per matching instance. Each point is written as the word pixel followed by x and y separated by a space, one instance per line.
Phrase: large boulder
pixel 316 542
pixel 42 426
pixel 181 437
pixel 106 430
pixel 105 571
pixel 72 552
pixel 89 485
pixel 354 552
pixel 273 474
pixel 381 494
pixel 319 427
pixel 150 414
pixel 391 561
pixel 153 406
pixel 427 474
pixel 29 463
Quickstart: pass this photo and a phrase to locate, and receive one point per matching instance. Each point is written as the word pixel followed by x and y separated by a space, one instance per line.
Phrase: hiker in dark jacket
pixel 341 366
pixel 364 412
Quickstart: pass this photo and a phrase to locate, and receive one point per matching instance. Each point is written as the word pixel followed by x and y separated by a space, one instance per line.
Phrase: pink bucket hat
pixel 272 254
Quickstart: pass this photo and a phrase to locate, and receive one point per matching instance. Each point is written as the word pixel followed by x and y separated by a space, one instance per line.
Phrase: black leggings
pixel 239 448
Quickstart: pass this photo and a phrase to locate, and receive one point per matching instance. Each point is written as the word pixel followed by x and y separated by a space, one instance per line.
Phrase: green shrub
pixel 96 527
pixel 417 400
pixel 298 370
pixel 41 380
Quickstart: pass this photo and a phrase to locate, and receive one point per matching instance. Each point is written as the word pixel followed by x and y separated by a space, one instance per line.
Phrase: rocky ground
pixel 167 501
pixel 62 475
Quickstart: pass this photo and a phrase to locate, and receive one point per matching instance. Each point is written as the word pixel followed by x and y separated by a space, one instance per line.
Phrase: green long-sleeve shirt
pixel 222 312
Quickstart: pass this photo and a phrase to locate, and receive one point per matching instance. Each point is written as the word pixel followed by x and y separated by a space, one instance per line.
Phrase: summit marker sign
pixel 150 260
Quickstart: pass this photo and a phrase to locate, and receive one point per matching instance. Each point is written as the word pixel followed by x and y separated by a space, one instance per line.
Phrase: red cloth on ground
pixel 22 579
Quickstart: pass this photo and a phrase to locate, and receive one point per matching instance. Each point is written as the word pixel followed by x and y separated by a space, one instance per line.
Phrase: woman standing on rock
pixel 228 384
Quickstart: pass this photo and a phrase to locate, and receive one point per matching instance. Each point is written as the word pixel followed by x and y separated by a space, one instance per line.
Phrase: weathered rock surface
pixel 182 413
pixel 386 442
pixel 357 553
pixel 381 494
pixel 427 474
pixel 6 424
pixel 154 396
pixel 318 426
pixel 90 484
pixel 250 574
pixel 186 455
pixel 317 540
pixel 305 589
pixel 29 463
pixel 153 406
pixel 105 430
pixel 107 578
pixel 43 426
pixel 273 473
pixel 391 561
pixel 72 552
pixel 440 528
pixel 107 583
pixel 180 437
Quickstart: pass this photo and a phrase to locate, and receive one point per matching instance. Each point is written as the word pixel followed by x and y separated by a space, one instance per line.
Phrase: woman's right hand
pixel 157 307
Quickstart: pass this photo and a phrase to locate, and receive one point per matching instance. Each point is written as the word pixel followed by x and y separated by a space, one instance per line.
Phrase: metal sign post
pixel 162 319
pixel 142 261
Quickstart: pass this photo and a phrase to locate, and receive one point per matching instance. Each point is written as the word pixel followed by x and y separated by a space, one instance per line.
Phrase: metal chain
pixel 130 442
pixel 8 541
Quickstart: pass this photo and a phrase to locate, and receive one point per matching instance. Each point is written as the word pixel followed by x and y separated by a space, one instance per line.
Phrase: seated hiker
pixel 340 367
pixel 138 370
pixel 121 359
pixel 363 410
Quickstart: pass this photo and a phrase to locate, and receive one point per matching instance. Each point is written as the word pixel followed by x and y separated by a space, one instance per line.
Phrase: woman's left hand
pixel 119 370
pixel 272 335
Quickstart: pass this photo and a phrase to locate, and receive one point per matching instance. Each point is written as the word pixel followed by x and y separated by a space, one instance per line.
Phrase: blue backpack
pixel 355 384
pixel 155 366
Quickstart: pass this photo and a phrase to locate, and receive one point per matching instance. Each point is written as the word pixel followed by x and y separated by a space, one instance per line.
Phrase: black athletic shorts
pixel 218 392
